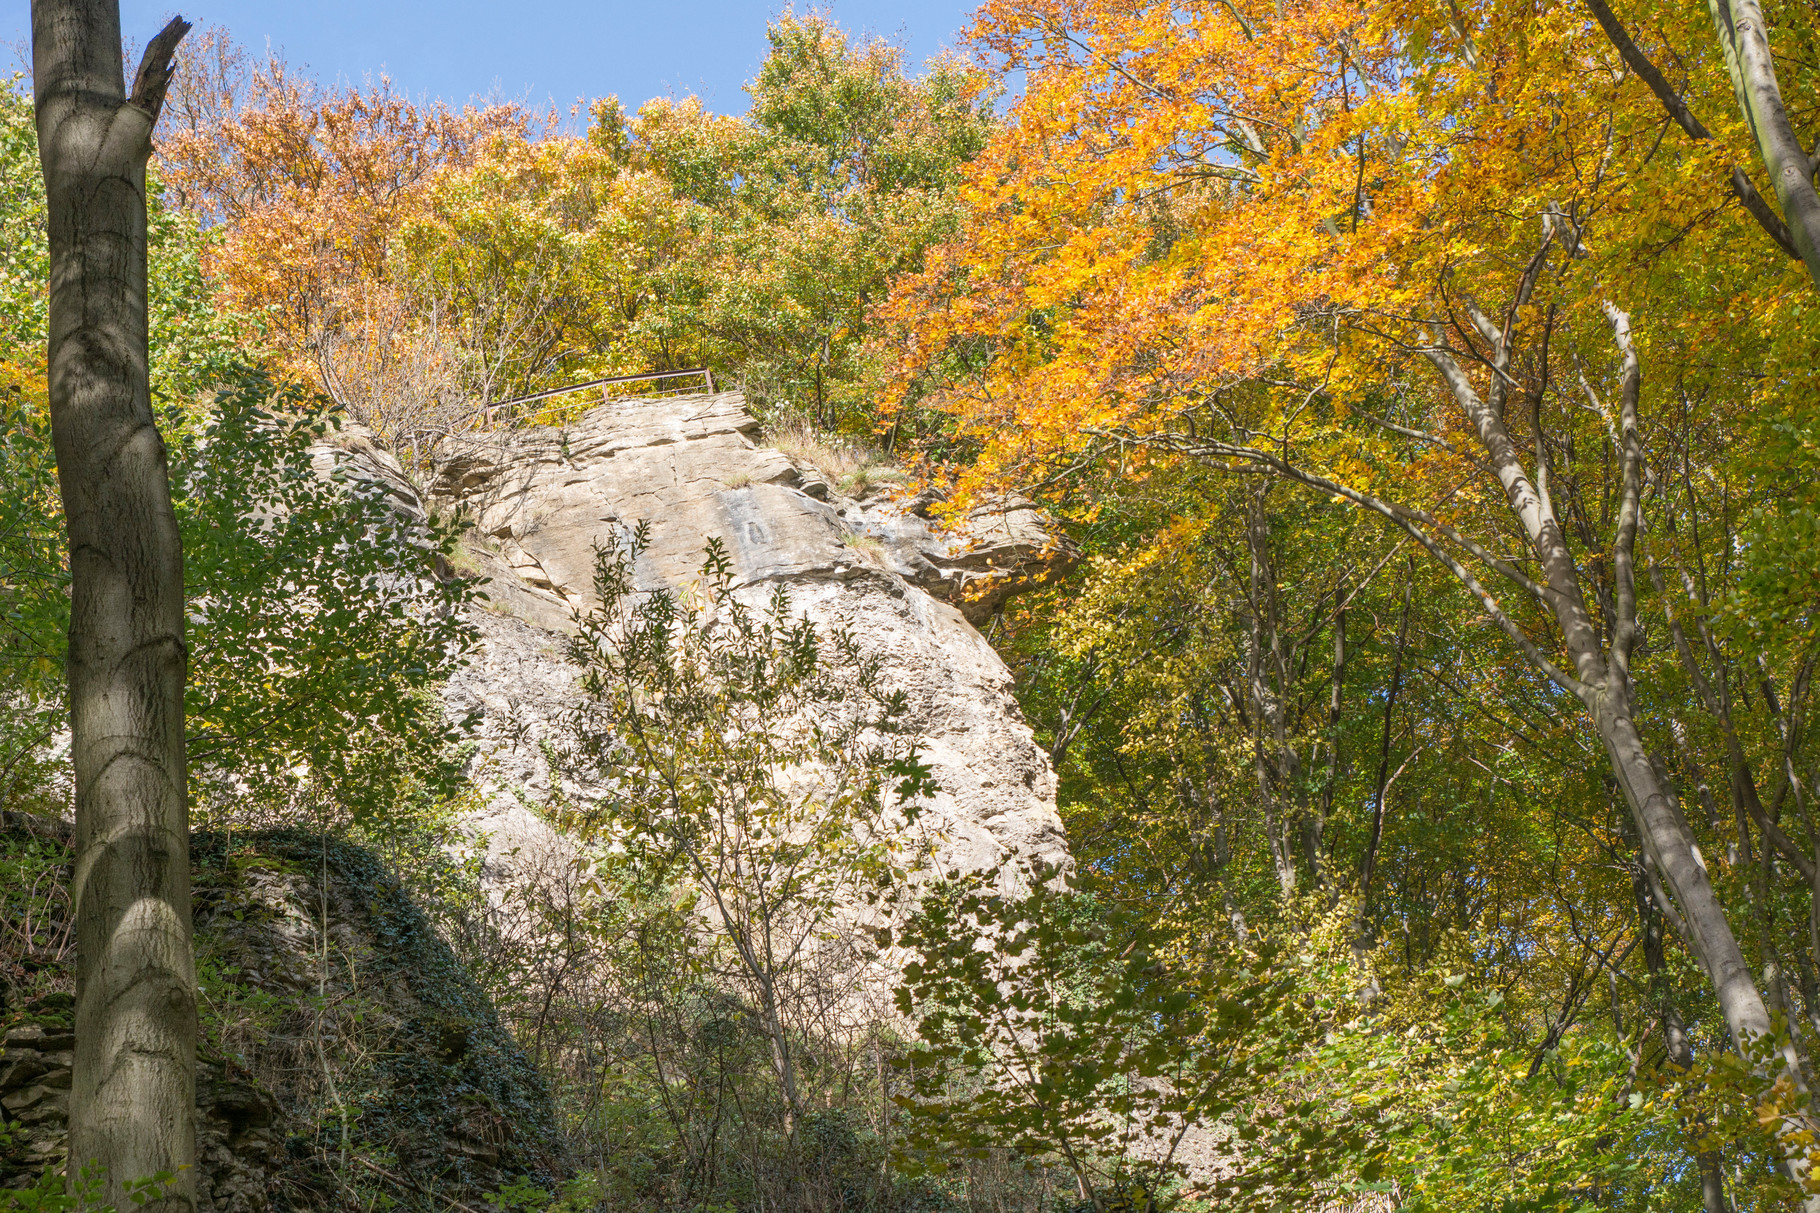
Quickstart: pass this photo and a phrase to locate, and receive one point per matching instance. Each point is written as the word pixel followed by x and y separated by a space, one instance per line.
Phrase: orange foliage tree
pixel 307 186
pixel 1457 266
pixel 404 250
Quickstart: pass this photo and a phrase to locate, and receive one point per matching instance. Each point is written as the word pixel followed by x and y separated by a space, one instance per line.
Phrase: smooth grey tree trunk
pixel 1674 1031
pixel 1601 678
pixel 1638 62
pixel 132 1102
pixel 1744 41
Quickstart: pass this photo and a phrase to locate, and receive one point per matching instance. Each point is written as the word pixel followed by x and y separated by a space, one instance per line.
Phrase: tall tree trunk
pixel 132 1101
pixel 1368 863
pixel 1266 702
pixel 1674 1030
pixel 1601 680
pixel 1670 849
pixel 1744 41
pixel 1314 840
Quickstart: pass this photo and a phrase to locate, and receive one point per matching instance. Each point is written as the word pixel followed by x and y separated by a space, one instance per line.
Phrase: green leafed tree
pixel 320 607
pixel 1049 1026
pixel 752 763
pixel 842 174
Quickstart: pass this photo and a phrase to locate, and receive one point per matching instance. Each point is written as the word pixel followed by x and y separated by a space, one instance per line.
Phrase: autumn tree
pixel 1419 265
pixel 307 185
pixel 416 253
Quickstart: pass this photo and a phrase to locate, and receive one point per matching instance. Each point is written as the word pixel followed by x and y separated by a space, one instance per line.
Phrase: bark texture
pixel 132 1097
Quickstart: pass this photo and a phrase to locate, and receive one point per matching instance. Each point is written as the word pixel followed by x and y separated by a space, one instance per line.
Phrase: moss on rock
pixel 363 1058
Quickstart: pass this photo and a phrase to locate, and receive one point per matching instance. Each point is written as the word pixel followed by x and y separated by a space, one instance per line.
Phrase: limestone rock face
pixel 692 469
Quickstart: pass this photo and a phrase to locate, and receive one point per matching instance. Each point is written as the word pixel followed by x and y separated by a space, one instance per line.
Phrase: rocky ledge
pixel 874 564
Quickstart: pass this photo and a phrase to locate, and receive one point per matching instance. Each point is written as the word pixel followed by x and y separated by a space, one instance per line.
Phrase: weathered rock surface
pixel 239 1127
pixel 692 469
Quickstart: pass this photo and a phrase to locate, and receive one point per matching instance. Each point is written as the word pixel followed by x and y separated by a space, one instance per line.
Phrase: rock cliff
pixel 692 468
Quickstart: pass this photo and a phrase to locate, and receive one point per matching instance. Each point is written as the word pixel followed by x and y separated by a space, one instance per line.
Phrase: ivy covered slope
pixel 366 1044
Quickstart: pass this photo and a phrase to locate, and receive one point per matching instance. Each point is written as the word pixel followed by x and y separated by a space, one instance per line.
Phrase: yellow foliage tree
pixel 1412 260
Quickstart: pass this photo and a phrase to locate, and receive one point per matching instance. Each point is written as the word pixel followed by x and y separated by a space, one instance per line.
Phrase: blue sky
pixel 556 50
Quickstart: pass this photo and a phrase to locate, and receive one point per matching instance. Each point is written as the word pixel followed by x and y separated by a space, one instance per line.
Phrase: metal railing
pixel 491 409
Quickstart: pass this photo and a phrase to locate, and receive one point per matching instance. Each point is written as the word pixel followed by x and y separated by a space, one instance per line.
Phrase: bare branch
pixel 154 75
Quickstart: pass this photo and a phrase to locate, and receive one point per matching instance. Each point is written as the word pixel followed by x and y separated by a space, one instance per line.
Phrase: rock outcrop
pixel 692 468
pixel 240 1128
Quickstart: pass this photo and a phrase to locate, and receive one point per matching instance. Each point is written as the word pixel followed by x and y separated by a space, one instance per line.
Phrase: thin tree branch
pixel 1638 62
pixel 1405 519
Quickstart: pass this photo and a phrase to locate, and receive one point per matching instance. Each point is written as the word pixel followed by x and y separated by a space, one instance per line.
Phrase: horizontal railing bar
pixel 576 387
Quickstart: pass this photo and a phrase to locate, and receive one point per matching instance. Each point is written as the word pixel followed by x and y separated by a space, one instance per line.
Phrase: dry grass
pixel 860 481
pixel 468 558
pixel 850 466
pixel 869 548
